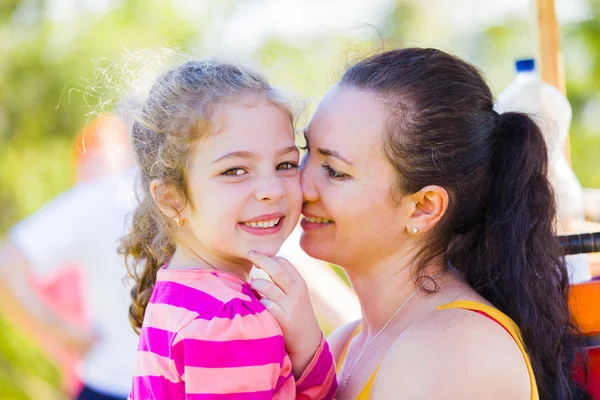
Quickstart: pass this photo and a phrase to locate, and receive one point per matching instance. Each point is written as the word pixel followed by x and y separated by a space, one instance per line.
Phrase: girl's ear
pixel 166 198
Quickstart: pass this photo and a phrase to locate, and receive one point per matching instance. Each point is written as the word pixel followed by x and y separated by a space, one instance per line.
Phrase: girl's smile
pixel 268 224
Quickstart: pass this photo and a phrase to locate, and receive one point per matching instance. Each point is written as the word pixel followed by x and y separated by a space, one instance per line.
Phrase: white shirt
pixel 83 226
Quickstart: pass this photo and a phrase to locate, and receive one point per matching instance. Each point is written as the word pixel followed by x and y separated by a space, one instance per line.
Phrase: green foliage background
pixel 44 65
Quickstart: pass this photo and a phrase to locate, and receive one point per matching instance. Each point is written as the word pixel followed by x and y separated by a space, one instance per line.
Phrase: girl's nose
pixel 270 189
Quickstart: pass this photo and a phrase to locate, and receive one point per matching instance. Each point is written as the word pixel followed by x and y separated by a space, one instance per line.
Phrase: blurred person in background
pixel 61 279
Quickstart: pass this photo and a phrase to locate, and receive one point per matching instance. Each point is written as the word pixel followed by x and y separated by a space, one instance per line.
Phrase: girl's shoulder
pixel 237 316
pixel 205 299
pixel 202 291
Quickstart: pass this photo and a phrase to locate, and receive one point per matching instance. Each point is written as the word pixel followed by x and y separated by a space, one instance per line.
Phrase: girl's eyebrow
pixel 235 154
pixel 250 155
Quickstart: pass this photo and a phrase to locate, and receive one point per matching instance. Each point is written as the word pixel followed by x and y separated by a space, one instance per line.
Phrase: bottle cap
pixel 525 65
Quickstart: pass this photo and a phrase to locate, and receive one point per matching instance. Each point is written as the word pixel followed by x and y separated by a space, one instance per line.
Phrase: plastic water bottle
pixel 551 110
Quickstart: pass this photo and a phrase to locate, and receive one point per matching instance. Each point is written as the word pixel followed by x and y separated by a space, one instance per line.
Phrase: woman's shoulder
pixel 338 339
pixel 455 353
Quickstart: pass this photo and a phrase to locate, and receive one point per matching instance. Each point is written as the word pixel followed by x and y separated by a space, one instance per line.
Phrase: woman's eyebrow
pixel 334 154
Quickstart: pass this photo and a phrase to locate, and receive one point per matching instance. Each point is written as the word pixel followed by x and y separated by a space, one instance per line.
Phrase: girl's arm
pixel 240 353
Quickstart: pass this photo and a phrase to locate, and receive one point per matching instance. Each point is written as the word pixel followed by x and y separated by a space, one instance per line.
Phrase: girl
pixel 219 174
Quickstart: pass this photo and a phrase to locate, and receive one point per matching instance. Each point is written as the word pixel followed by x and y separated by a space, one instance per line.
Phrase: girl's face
pixel 349 214
pixel 244 183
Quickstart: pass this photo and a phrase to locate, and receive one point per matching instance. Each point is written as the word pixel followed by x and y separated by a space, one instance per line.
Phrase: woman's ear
pixel 430 205
pixel 166 198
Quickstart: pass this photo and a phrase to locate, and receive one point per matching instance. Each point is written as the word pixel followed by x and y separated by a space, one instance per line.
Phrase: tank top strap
pixel 507 323
pixel 495 314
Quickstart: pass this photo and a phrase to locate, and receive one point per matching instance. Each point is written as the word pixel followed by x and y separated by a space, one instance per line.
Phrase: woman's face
pixel 349 213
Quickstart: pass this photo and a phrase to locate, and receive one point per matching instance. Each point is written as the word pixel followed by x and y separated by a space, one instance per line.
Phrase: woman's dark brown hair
pixel 498 230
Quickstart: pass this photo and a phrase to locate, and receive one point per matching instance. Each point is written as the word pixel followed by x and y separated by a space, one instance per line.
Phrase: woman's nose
pixel 309 190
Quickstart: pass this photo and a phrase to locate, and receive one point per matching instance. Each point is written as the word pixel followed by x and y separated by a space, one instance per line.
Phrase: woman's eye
pixel 334 174
pixel 286 165
pixel 234 172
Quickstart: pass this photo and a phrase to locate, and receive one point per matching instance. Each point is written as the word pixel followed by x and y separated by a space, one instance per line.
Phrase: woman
pixel 440 212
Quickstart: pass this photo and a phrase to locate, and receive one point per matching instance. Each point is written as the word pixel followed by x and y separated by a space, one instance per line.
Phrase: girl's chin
pixel 268 249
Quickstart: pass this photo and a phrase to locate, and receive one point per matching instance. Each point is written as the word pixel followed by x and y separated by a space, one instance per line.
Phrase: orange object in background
pixel 101 149
pixel 584 301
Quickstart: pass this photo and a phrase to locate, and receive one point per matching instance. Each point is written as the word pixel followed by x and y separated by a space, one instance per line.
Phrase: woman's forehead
pixel 349 123
pixel 347 115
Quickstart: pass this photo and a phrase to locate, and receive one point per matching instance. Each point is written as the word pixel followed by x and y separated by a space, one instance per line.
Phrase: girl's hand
pixel 287 299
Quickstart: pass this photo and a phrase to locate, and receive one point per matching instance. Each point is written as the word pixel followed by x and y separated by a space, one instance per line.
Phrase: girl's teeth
pixel 263 224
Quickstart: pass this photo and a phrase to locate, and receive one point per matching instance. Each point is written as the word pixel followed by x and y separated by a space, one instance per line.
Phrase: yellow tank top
pixel 496 315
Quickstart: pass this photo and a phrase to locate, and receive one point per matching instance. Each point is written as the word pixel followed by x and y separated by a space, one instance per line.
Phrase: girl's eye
pixel 286 165
pixel 234 172
pixel 334 174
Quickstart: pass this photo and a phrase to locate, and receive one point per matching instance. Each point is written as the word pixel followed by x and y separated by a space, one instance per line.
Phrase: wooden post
pixel 551 61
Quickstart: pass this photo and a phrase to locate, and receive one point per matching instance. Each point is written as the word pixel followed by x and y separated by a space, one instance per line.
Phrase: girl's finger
pixel 278 274
pixel 289 268
pixel 273 308
pixel 269 290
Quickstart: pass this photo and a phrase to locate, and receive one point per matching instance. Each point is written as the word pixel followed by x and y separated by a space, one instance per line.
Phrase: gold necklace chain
pixel 366 347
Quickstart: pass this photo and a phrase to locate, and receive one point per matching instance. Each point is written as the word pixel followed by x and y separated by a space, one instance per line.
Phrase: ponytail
pixel 520 266
pixel 148 246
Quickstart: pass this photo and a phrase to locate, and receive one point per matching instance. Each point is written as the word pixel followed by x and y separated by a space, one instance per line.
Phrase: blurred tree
pixel 582 59
pixel 42 87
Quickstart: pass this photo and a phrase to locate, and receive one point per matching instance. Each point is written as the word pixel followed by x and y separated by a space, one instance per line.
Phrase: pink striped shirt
pixel 206 335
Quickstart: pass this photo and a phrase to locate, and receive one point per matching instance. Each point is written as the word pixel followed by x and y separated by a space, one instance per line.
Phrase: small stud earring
pixel 180 221
pixel 414 230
